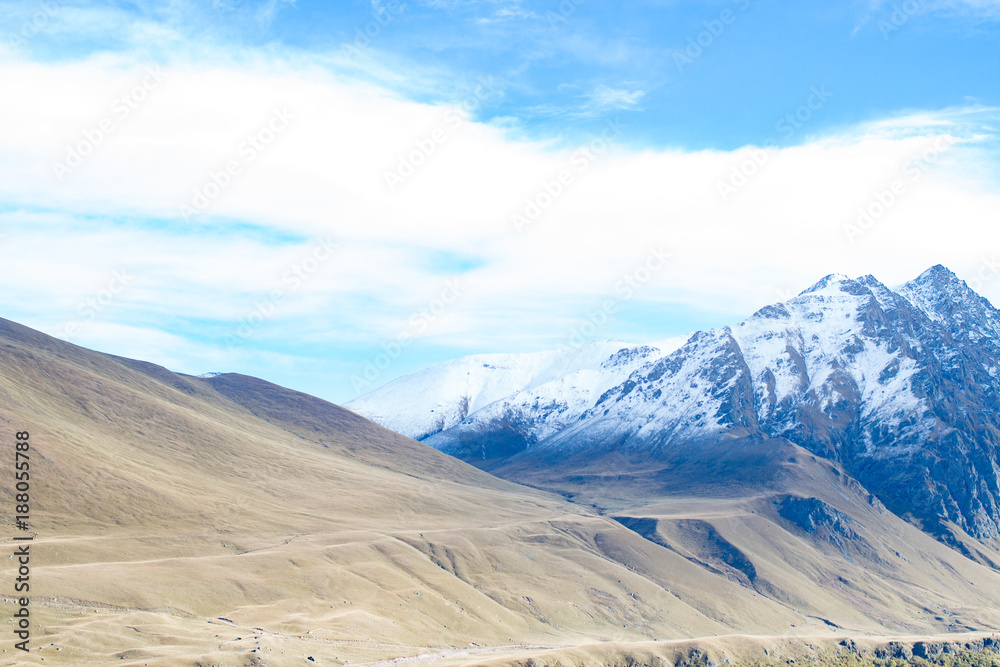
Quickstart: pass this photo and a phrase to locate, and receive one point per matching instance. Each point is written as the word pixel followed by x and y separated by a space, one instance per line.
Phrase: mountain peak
pixel 826 282
pixel 945 298
pixel 937 291
pixel 937 275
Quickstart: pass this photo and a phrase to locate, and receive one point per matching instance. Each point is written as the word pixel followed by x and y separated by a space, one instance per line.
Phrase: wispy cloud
pixel 890 14
pixel 606 97
pixel 598 101
pixel 267 11
pixel 509 12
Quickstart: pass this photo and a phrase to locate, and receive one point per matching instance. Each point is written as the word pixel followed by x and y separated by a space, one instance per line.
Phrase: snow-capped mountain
pixel 558 386
pixel 900 387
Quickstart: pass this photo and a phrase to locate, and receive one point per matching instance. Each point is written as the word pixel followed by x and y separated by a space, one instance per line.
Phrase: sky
pixel 331 195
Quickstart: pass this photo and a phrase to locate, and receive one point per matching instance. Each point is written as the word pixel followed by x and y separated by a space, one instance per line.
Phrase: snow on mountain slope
pixel 542 410
pixel 440 397
pixel 681 397
pixel 821 349
pixel 756 377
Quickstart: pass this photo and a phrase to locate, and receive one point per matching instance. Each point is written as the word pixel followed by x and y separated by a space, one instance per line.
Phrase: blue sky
pixel 559 68
pixel 292 189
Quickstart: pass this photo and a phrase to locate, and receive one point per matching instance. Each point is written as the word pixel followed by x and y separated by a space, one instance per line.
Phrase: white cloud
pixel 606 97
pixel 891 14
pixel 325 175
pixel 508 12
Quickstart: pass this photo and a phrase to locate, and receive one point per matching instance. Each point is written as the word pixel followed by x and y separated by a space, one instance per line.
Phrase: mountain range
pixel 896 387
